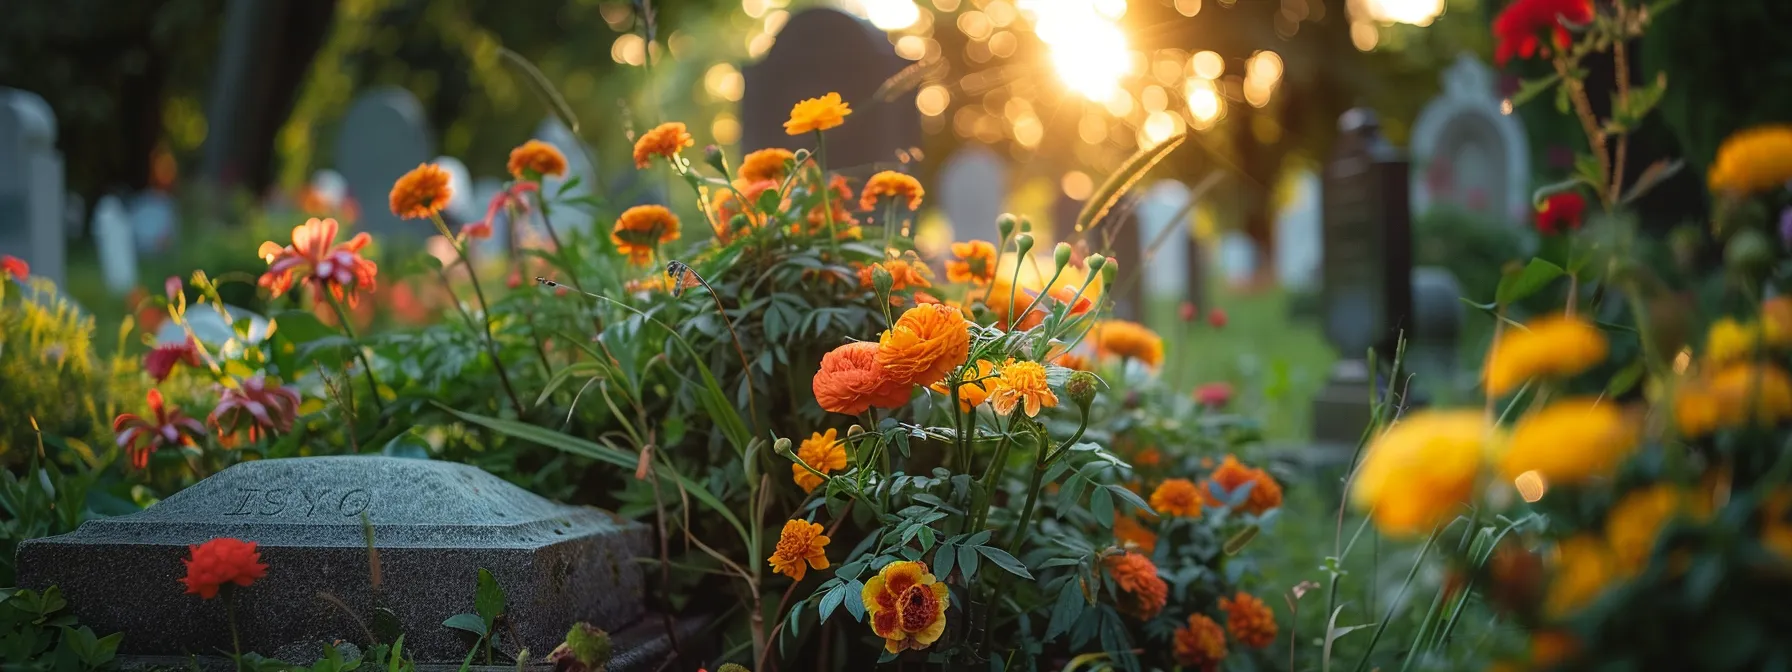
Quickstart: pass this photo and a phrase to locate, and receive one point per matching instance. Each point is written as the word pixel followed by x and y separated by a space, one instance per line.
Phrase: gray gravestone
pixel 1437 317
pixel 1466 152
pixel 1174 269
pixel 1297 236
pixel 553 132
pixel 117 245
pixel 972 185
pixel 822 50
pixel 436 524
pixel 31 191
pixel 461 208
pixel 210 327
pixel 153 221
pixel 384 135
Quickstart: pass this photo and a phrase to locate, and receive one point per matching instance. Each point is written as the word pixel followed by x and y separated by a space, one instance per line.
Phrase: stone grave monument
pixel 551 131
pixel 384 135
pixel 972 183
pixel 818 51
pixel 1466 152
pixel 1437 316
pixel 31 191
pixel 116 244
pixel 1176 269
pixel 435 525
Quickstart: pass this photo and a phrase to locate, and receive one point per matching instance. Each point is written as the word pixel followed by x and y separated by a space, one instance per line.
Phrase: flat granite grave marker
pixel 435 525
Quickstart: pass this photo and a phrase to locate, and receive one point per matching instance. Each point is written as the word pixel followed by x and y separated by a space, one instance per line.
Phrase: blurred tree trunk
pixel 264 53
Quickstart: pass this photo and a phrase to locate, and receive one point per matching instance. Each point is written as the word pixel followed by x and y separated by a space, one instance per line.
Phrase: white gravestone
pixel 1298 235
pixel 1167 273
pixel 1466 152
pixel 553 132
pixel 31 191
pixel 153 221
pixel 461 206
pixel 117 245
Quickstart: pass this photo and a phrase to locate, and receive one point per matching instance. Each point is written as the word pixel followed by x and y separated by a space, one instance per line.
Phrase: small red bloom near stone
pixel 1217 318
pixel 14 266
pixel 1189 312
pixel 1214 395
pixel 220 561
pixel 1523 26
pixel 1561 211
pixel 160 361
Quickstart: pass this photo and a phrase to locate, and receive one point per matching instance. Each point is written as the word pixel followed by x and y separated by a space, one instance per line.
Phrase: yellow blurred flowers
pixel 1548 346
pixel 1634 523
pixel 1753 160
pixel 766 165
pixel 1570 441
pixel 1583 566
pixel 1420 471
pixel 1735 395
pixel 1731 341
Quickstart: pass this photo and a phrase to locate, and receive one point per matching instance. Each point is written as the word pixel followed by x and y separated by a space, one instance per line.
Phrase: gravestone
pixel 31 191
pixel 435 525
pixel 1237 257
pixel 1437 317
pixel 116 244
pixel 1297 236
pixel 553 132
pixel 210 327
pixel 461 205
pixel 972 184
pixel 1173 263
pixel 330 188
pixel 153 221
pixel 1466 152
pixel 822 50
pixel 1365 270
pixel 384 135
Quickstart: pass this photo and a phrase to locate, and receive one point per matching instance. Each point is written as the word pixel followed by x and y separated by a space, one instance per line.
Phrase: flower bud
pixel 1062 254
pixel 1109 271
pixel 713 156
pixel 1023 243
pixel 882 280
pixel 1005 225
pixel 854 431
pixel 738 222
pixel 1026 225
pixel 1095 262
pixel 1748 252
pixel 1081 388
pixel 781 446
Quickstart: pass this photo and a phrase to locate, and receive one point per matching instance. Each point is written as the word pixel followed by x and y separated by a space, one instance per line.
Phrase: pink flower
pixel 257 406
pixel 160 361
pixel 316 258
pixel 140 437
pixel 1189 312
pixel 1214 395
pixel 476 230
pixel 511 198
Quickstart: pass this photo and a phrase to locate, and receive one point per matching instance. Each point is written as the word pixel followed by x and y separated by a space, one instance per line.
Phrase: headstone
pixel 384 135
pixel 462 207
pixel 484 189
pixel 1437 315
pixel 1466 152
pixel 822 50
pixel 1237 258
pixel 210 327
pixel 553 132
pixel 330 188
pixel 31 191
pixel 435 525
pixel 117 245
pixel 1173 271
pixel 153 221
pixel 972 184
pixel 1297 236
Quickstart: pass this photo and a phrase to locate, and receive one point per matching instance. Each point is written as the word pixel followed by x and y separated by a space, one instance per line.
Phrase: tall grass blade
pixel 1123 180
pixel 539 83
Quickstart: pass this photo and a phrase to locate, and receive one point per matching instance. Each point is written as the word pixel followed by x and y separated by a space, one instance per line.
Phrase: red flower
pixel 317 259
pixel 14 266
pixel 220 561
pixel 255 405
pixel 140 437
pixel 1189 313
pixel 510 198
pixel 1563 209
pixel 160 361
pixel 1214 395
pixel 1217 318
pixel 1517 28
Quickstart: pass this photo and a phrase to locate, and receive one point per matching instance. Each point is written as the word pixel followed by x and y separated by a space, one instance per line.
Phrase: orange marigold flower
pixel 893 184
pixel 907 606
pixel 224 560
pixel 14 267
pixel 1149 457
pixel 904 274
pixel 800 546
pixel 421 193
pixel 1177 497
pixel 1021 384
pixel 925 344
pixel 1127 340
pixel 1249 620
pixel 536 159
pixel 642 228
pixel 850 381
pixel 1074 362
pixel 315 257
pixel 1548 346
pixel 766 165
pixel 1142 593
pixel 973 390
pixel 664 140
pixel 1266 494
pixel 1752 160
pixel 824 452
pixel 140 437
pixel 976 261
pixel 1130 533
pixel 817 114
pixel 1201 645
pixel 1776 531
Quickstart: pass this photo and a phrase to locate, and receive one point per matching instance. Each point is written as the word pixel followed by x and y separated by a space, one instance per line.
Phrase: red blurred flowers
pixel 220 561
pixel 1517 29
pixel 160 361
pixel 316 258
pixel 14 266
pixel 1560 211
pixel 255 405
pixel 140 437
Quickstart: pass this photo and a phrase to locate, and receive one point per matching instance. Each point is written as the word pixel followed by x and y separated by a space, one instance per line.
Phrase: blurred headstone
pixel 1237 257
pixel 31 191
pixel 384 135
pixel 483 190
pixel 1174 268
pixel 210 327
pixel 1437 317
pixel 822 50
pixel 153 221
pixel 553 132
pixel 330 187
pixel 461 208
pixel 116 244
pixel 1467 152
pixel 1297 236
pixel 972 184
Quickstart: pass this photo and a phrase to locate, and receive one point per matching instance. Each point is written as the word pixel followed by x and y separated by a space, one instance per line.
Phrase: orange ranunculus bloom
pixel 1177 497
pixel 1022 385
pixel 800 546
pixel 1129 532
pixel 317 259
pixel 223 560
pixel 894 185
pixel 850 381
pixel 1129 340
pixel 976 262
pixel 642 228
pixel 664 140
pixel 817 114
pixel 1201 645
pixel 824 452
pixel 925 344
pixel 766 165
pixel 421 193
pixel 1142 593
pixel 907 606
pixel 1249 620
pixel 536 159
pixel 1231 475
pixel 975 388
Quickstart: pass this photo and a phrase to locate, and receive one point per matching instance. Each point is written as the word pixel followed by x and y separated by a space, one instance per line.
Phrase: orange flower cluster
pixel 976 262
pixel 1127 340
pixel 907 606
pixel 1200 645
pixel 166 427
pixel 904 274
pixel 1266 494
pixel 925 344
pixel 766 165
pixel 817 114
pixel 800 546
pixel 665 140
pixel 642 228
pixel 846 226
pixel 1142 593
pixel 421 193
pixel 851 382
pixel 975 388
pixel 824 452
pixel 1129 532
pixel 1022 385
pixel 536 159
pixel 220 561
pixel 1074 362
pixel 894 185
pixel 1177 497
pixel 1249 620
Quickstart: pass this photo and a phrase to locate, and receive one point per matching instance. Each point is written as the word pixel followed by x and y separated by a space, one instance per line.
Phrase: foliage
pixel 54 379
pixel 1475 248
pixel 35 635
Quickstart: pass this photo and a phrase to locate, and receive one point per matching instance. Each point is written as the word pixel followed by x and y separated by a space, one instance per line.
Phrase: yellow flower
pixel 824 452
pixel 664 140
pixel 817 114
pixel 907 606
pixel 975 388
pixel 1548 346
pixel 1731 341
pixel 1177 497
pixel 641 228
pixel 1634 523
pixel 800 546
pixel 1776 528
pixel 1753 160
pixel 1570 441
pixel 976 262
pixel 766 165
pixel 421 193
pixel 1736 395
pixel 1776 321
pixel 893 184
pixel 1583 566
pixel 1419 472
pixel 925 344
pixel 536 159
pixel 1021 384
pixel 1120 338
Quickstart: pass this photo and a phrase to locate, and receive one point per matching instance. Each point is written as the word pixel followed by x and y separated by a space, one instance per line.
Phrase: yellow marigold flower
pixel 925 344
pixel 800 546
pixel 421 193
pixel 1201 645
pixel 907 606
pixel 1127 340
pixel 1776 322
pixel 1730 341
pixel 1419 472
pixel 665 140
pixel 536 159
pixel 1571 441
pixel 1634 523
pixel 1142 593
pixel 1753 160
pixel 1021 384
pixel 1177 497
pixel 642 228
pixel 824 452
pixel 1584 567
pixel 1776 529
pixel 1266 494
pixel 1548 346
pixel 976 262
pixel 817 114
pixel 1130 533
pixel 1249 620
pixel 974 390
pixel 766 165
pixel 894 185
pixel 1736 395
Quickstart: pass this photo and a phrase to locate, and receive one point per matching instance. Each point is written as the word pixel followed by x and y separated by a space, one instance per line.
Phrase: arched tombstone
pixel 1467 152
pixel 462 207
pixel 555 133
pixel 1298 236
pixel 384 135
pixel 972 184
pixel 31 191
pixel 822 50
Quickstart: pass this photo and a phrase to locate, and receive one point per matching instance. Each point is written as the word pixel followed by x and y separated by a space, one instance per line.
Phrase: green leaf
pixel 1101 505
pixel 570 184
pixel 468 622
pixel 967 561
pixel 1655 174
pixel 1531 88
pixel 1535 276
pixel 1007 562
pixel 944 559
pixel 541 86
pixel 1625 379
pixel 1130 498
pixel 1240 540
pixel 489 600
pixel 1587 169
pixel 831 601
pixel 1066 609
pixel 855 599
pixel 1629 113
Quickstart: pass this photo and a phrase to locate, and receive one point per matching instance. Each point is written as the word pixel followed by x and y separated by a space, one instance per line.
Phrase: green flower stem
pixel 491 343
pixel 985 486
pixel 236 643
pixel 541 203
pixel 827 205
pixel 348 328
